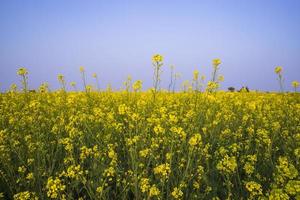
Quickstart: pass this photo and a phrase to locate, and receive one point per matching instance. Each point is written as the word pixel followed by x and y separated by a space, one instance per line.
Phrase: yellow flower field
pixel 134 144
pixel 119 145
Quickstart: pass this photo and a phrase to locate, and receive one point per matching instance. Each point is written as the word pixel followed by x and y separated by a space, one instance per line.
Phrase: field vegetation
pixel 197 143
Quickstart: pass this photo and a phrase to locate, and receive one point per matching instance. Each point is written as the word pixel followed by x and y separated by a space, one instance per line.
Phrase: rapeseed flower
pixel 154 191
pixel 81 69
pixel 295 85
pixel 54 187
pixel 163 170
pixel 157 58
pixel 278 69
pixel 216 62
pixel 177 193
pixel 227 165
pixel 22 71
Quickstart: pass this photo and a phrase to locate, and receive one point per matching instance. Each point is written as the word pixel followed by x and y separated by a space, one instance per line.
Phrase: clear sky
pixel 118 38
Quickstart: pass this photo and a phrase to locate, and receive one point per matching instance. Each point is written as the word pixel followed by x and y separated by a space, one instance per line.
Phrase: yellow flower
pixel 196 185
pixel 29 176
pixel 99 189
pixel 72 83
pixel 110 171
pixel 60 77
pixel 74 172
pixel 227 164
pixel 137 85
pixel 177 193
pixel 22 71
pixel 211 86
pixel 284 170
pixel 253 188
pixel 54 187
pixel 278 69
pixel 144 153
pixel 164 170
pixel 196 74
pixel 85 152
pixel 22 169
pixel 196 139
pixel 132 141
pixel 221 78
pixel 154 191
pixel 89 88
pixel 123 109
pixel 278 194
pixel 179 131
pixel 216 62
pixel 295 84
pixel 81 69
pixel 250 164
pixel 158 129
pixel 293 187
pixel 157 58
pixel 249 168
pixel 112 154
pixel 25 196
pixel 13 87
pixel 144 185
pixel 94 75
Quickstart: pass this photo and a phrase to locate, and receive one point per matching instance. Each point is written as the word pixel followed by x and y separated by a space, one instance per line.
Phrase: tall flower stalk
pixel 62 81
pixel 213 85
pixel 278 71
pixel 82 71
pixel 24 78
pixel 127 84
pixel 216 62
pixel 97 81
pixel 176 77
pixel 295 85
pixel 171 78
pixel 196 80
pixel 137 86
pixel 157 64
pixel 73 85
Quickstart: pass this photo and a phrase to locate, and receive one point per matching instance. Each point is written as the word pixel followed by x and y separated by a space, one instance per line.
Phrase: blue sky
pixel 117 38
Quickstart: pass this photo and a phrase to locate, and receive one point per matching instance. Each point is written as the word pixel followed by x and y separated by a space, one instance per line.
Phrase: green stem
pixel 84 83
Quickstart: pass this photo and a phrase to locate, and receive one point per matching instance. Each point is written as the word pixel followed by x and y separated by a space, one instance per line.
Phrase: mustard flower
pixel 25 196
pixel 177 193
pixel 54 187
pixel 81 69
pixel 144 185
pixel 216 62
pixel 227 165
pixel 137 85
pixel 164 170
pixel 22 71
pixel 295 85
pixel 278 69
pixel 157 58
pixel 253 188
pixel 154 191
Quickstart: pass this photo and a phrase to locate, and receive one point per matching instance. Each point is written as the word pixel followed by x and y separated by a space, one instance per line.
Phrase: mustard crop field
pixel 198 143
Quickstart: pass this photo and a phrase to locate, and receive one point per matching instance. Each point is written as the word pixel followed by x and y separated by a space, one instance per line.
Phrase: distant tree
pixel 231 89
